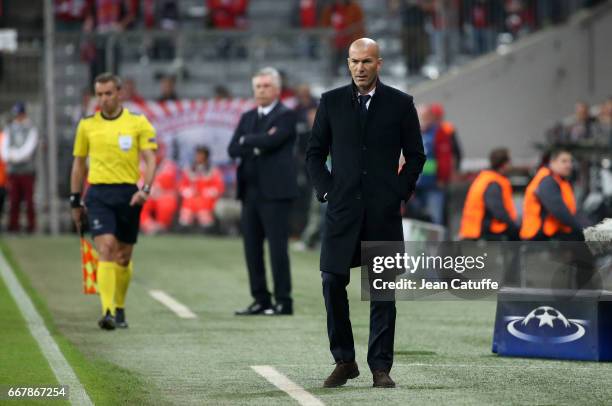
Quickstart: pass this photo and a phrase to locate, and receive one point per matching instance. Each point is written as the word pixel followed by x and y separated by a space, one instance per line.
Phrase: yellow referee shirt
pixel 113 145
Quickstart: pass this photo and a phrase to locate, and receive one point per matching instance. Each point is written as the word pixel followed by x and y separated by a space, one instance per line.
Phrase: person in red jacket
pixel 200 187
pixel 227 14
pixel 346 18
pixel 429 200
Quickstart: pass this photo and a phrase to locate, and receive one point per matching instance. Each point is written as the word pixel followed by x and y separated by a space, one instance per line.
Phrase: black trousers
pixel 266 219
pixel 340 332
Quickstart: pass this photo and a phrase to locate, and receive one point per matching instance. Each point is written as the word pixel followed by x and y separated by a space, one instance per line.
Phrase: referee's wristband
pixel 146 189
pixel 75 200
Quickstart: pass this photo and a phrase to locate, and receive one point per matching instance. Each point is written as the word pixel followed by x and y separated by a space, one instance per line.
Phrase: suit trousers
pixel 266 219
pixel 339 330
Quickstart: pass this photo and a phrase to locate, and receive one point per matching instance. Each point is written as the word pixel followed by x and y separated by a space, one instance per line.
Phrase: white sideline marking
pixel 58 363
pixel 287 385
pixel 180 309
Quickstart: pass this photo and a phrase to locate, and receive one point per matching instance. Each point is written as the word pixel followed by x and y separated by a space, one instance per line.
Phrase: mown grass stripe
pixel 58 363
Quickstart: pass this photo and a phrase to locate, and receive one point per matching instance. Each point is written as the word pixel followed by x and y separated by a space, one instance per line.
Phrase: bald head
pixel 365 44
pixel 364 62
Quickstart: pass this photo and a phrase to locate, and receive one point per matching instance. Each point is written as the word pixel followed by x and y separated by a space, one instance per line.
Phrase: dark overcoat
pixel 364 188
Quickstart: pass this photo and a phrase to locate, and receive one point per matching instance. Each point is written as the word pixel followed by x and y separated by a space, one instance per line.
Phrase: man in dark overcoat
pixel 365 126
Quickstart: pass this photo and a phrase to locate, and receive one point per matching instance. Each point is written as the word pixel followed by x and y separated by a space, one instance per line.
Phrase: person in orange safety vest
pixel 488 211
pixel 549 208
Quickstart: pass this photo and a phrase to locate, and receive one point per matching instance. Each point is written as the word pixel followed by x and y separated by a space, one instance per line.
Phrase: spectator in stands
pixel 129 93
pixel 583 126
pixel 449 131
pixel 550 12
pixel 429 196
pixel 306 13
pixel 227 15
pixel 549 206
pixel 19 149
pixel 347 20
pixel 105 17
pixel 162 15
pixel 485 18
pixel 160 208
pixel 305 16
pixel 604 123
pixel 167 86
pixel 519 17
pixel 415 43
pixel 70 14
pixel 444 38
pixel 489 212
pixel 200 187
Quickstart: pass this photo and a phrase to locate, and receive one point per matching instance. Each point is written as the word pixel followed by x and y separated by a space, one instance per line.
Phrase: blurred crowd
pixel 589 125
pixel 434 30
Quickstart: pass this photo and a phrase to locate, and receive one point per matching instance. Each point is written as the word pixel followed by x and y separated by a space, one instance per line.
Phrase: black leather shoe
pixel 342 373
pixel 382 379
pixel 280 309
pixel 253 309
pixel 107 322
pixel 120 321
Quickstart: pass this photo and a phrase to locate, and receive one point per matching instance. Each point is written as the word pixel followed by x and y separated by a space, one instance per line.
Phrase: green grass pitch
pixel 442 349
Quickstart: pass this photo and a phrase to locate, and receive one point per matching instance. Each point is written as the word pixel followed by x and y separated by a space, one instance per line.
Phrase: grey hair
pixel 269 71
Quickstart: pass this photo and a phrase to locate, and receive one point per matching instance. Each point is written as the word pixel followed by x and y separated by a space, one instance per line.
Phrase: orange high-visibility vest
pixel 532 208
pixel 474 207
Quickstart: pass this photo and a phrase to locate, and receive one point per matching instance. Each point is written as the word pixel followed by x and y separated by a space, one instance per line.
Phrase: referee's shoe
pixel 120 321
pixel 107 322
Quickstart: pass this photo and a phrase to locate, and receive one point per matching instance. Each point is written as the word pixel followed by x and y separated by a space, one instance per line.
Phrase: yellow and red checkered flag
pixel 89 259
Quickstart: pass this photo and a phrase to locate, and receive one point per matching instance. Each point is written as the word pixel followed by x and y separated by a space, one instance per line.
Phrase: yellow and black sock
pixel 106 285
pixel 123 278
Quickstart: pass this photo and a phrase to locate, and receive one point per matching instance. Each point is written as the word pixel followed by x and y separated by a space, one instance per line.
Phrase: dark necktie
pixel 363 102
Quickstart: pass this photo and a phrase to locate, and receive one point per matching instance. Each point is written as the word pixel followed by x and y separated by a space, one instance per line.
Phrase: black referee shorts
pixel 109 211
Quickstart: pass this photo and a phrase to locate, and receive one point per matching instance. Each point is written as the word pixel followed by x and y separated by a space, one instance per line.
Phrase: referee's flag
pixel 89 259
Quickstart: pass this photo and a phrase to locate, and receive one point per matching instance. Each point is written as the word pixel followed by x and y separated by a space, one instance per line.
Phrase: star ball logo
pixel 546 325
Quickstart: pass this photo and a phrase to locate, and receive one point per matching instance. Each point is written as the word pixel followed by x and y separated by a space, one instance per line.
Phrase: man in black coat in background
pixel 365 126
pixel 264 141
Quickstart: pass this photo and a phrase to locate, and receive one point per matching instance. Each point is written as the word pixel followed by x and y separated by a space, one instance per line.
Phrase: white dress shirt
pixel 370 99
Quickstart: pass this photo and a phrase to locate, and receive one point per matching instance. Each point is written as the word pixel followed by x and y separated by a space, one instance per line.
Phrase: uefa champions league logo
pixel 546 325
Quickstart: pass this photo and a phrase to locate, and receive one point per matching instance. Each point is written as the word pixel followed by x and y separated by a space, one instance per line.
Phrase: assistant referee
pixel 113 139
